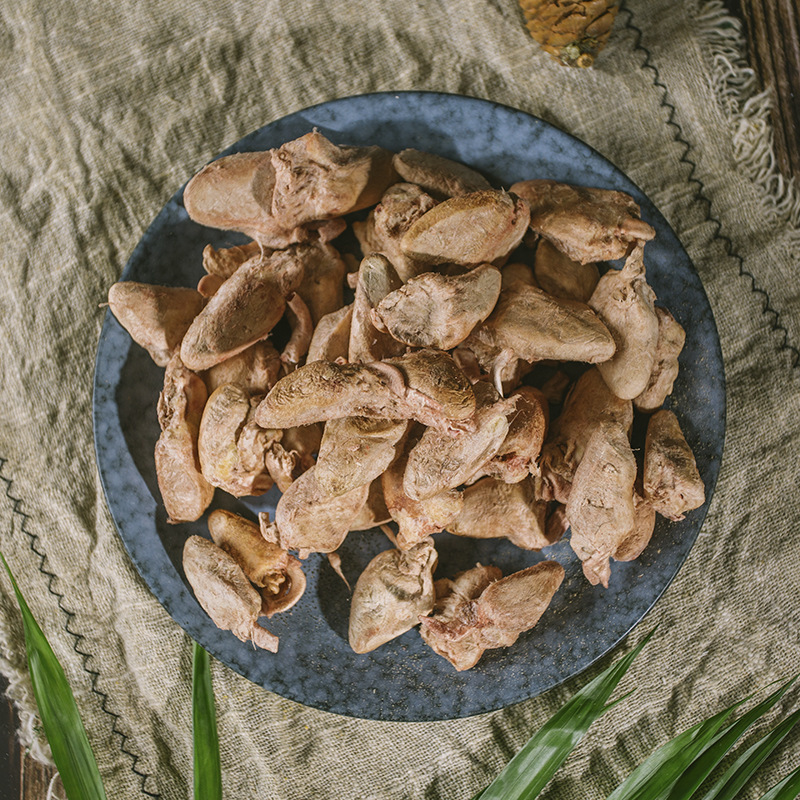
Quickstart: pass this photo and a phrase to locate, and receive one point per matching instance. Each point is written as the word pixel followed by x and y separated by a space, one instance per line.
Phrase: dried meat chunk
pixel 439 175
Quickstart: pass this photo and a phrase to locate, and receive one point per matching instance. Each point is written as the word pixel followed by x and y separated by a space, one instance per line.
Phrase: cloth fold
pixel 108 109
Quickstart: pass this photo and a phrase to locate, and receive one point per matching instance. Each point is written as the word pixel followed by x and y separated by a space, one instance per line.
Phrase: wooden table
pixel 771 27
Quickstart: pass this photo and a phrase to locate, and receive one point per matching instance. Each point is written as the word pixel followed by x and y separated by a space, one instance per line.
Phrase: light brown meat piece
pixel 245 309
pixel 442 460
pixel 645 521
pixel 600 506
pixel 322 287
pixel 277 574
pixel 584 223
pixel 331 338
pixel 308 520
pixel 374 511
pixel 438 311
pixel 289 458
pixel 517 272
pixel 426 385
pixel 478 228
pixel 255 370
pixel 209 285
pixel 392 592
pixel 184 490
pixel 416 519
pixel 562 277
pixel 496 510
pixel 299 318
pixel 376 279
pixel 223 262
pixel 527 427
pixel 439 175
pixel 671 338
pixel 589 404
pixel 672 484
pixel 383 229
pixel 232 446
pixel 505 608
pixel 625 302
pixel 317 180
pixel 355 451
pixel 535 326
pixel 156 317
pixel 224 592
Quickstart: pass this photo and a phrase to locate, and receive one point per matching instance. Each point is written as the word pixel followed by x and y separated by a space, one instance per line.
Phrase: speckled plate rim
pixel 404 681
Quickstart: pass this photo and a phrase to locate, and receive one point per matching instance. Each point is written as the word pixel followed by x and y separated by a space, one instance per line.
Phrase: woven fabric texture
pixel 108 108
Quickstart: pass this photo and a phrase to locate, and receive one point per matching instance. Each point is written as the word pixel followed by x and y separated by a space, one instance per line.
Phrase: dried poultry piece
pixel 671 338
pixel 392 592
pixel 441 460
pixel 672 484
pixel 434 310
pixel 156 317
pixel 277 574
pixel 322 287
pixel 585 223
pixel 255 370
pixel 318 180
pixel 308 520
pixel 530 324
pixel 476 617
pixel 517 272
pixel 302 328
pixel 383 229
pixel 426 385
pixel 287 459
pixel 478 228
pixel 439 175
pixel 600 506
pixel 376 279
pixel 224 592
pixel 374 511
pixel 560 276
pixel 527 427
pixel 416 519
pixel 184 490
pixel 223 262
pixel 589 404
pixel 245 309
pixel 231 445
pixel 331 338
pixel 496 510
pixel 355 451
pixel 209 285
pixel 625 302
pixel 644 523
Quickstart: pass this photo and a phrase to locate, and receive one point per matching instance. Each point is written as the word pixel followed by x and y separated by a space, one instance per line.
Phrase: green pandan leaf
pixel 787 789
pixel 62 723
pixel 207 771
pixel 530 770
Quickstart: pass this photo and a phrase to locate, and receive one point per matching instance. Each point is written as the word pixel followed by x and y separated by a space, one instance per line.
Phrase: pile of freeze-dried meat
pixel 407 405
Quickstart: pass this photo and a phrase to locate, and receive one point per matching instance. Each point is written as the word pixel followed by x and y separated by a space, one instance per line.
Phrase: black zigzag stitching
pixel 16 506
pixel 768 310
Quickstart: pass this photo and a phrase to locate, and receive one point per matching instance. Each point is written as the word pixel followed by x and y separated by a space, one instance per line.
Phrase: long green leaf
pixel 737 775
pixel 530 770
pixel 710 757
pixel 787 789
pixel 207 772
pixel 60 718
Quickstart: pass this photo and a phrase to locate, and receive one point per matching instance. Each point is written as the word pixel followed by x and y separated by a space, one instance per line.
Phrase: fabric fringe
pixel 735 86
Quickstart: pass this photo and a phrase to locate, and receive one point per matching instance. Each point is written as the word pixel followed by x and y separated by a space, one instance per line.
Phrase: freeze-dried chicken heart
pixel 245 309
pixel 255 370
pixel 224 592
pixel 223 262
pixel 185 492
pixel 374 511
pixel 600 506
pixel 382 231
pixel 318 180
pixel 478 228
pixel 496 510
pixel 671 338
pixel 437 174
pixel 276 573
pixel 331 338
pixel 625 302
pixel 672 484
pixel 322 287
pixel 644 524
pixel 156 317
pixel 468 625
pixel 585 223
pixel 558 275
pixel 434 310
pixel 394 589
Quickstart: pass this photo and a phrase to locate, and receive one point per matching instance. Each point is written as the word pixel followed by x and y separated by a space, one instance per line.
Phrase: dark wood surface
pixel 772 28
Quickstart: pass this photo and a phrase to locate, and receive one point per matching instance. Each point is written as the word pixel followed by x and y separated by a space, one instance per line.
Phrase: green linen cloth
pixel 108 107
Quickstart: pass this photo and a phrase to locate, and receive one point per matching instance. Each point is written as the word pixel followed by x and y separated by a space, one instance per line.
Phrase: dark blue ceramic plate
pixel 404 680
